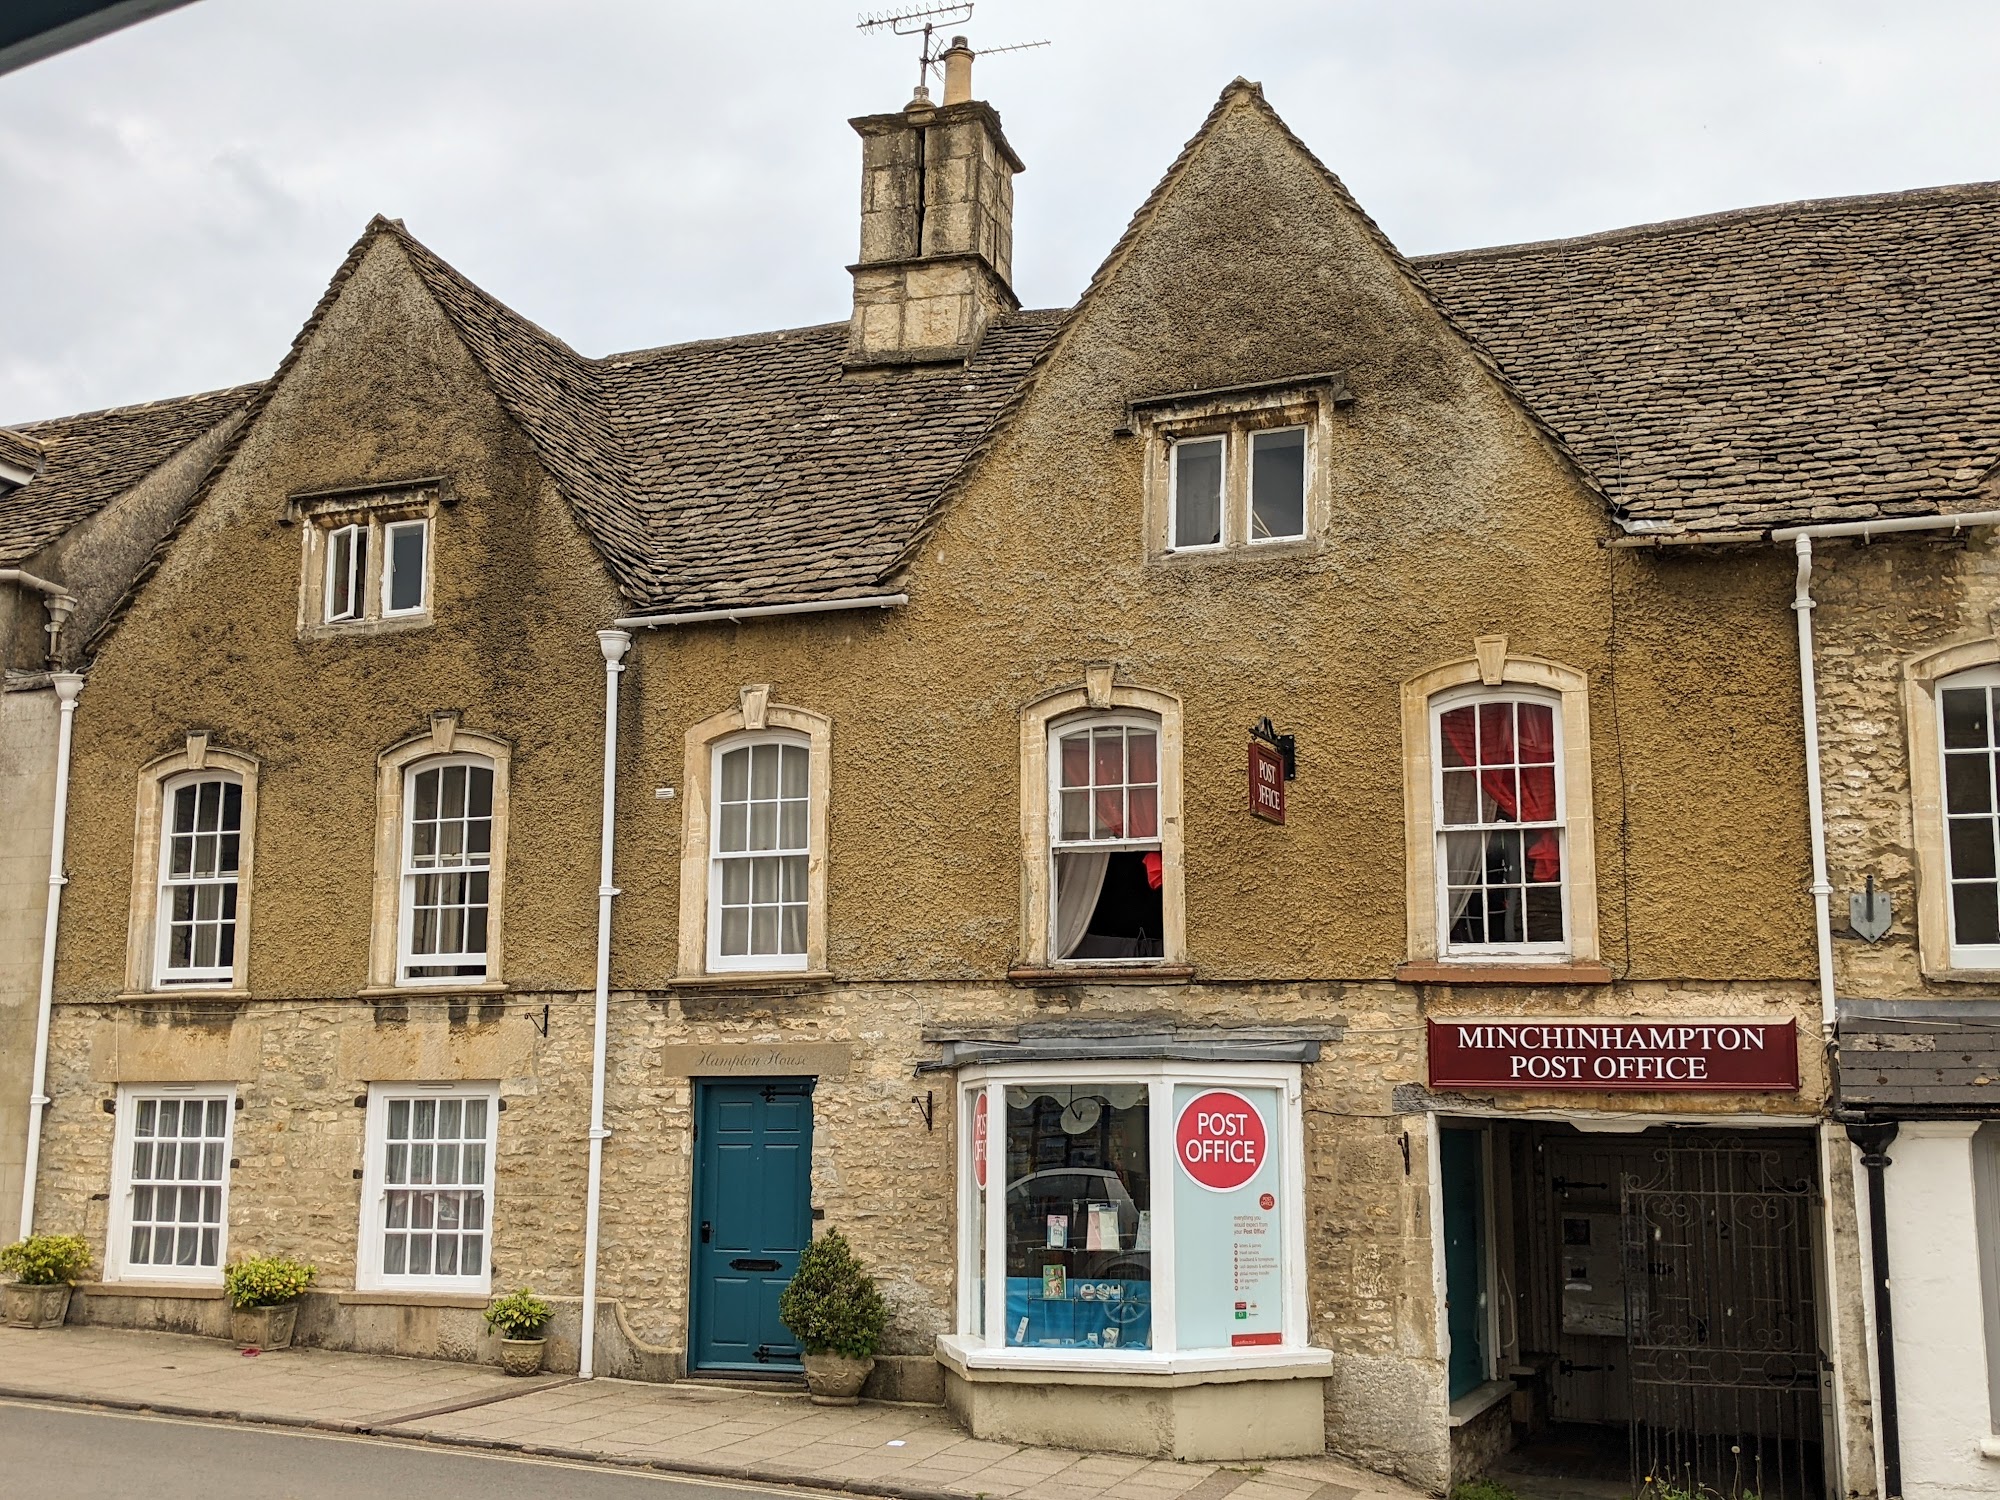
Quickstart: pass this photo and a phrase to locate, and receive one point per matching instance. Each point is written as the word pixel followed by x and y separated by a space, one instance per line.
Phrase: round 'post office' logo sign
pixel 1220 1140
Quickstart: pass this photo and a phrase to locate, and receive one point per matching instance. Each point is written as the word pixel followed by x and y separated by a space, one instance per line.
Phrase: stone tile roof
pixel 90 459
pixel 1819 361
pixel 20 452
pixel 737 471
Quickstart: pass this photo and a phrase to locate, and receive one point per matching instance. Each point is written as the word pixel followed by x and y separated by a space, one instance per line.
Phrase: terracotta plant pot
pixel 834 1379
pixel 521 1356
pixel 263 1327
pixel 37 1306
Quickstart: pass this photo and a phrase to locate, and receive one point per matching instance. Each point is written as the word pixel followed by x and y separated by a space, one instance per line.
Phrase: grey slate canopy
pixel 1719 376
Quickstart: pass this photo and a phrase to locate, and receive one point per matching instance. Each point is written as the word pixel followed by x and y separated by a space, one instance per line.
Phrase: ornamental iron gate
pixel 1722 1323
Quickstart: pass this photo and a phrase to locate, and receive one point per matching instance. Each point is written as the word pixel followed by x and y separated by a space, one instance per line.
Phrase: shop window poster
pixel 1229 1216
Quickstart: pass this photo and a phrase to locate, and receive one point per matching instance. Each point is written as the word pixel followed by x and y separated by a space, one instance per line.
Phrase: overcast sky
pixel 636 172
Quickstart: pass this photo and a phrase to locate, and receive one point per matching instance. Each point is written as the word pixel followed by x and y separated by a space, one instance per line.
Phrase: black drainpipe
pixel 1874 1143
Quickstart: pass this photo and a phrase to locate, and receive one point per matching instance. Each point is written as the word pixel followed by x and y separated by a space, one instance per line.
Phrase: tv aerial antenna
pixel 927 22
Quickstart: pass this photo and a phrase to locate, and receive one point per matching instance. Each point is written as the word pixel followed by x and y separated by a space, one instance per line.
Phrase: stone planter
pixel 521 1356
pixel 834 1379
pixel 263 1327
pixel 36 1306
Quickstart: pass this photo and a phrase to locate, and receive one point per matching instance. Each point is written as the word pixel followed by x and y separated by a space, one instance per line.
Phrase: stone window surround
pixel 324 512
pixel 142 944
pixel 118 1221
pixel 1233 416
pixel 1491 666
pixel 754 714
pixel 368 1273
pixel 443 738
pixel 1099 694
pixel 1923 675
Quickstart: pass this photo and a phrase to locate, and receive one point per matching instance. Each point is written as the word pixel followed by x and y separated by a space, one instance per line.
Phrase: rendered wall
pixel 28 722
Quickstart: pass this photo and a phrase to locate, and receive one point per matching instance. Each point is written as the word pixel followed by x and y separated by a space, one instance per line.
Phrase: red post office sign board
pixel 1267 782
pixel 1631 1054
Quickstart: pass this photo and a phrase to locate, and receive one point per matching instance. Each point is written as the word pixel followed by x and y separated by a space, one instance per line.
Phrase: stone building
pixel 1248 840
pixel 83 501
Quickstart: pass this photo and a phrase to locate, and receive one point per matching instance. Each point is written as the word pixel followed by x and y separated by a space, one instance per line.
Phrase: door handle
pixel 707 1231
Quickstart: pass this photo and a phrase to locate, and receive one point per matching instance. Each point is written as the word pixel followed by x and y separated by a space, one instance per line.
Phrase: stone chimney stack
pixel 937 226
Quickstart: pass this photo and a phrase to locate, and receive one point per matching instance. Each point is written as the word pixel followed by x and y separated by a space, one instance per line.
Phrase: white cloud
pixel 173 198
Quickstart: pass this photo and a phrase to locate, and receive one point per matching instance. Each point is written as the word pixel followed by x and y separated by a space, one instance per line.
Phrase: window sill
pixel 342 630
pixel 974 1361
pixel 1449 971
pixel 1032 975
pixel 1989 1447
pixel 412 1299
pixel 1990 978
pixel 1479 1400
pixel 780 981
pixel 197 1291
pixel 431 987
pixel 185 991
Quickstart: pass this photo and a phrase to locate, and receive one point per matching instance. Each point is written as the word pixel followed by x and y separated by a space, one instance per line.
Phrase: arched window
pixel 1107 863
pixel 1499 821
pixel 447 869
pixel 201 843
pixel 762 854
pixel 191 869
pixel 1966 706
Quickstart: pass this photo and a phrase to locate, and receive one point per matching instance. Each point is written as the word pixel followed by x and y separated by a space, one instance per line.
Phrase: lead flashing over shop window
pixel 1283 1045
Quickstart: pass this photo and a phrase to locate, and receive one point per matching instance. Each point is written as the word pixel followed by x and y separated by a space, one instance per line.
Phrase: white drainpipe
pixel 614 643
pixel 1801 538
pixel 67 686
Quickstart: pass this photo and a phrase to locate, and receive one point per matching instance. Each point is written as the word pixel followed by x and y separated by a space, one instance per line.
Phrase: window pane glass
pixel 479 792
pixel 1198 493
pixel 1278 484
pixel 796 761
pixel 406 567
pixel 735 827
pixel 763 825
pixel 1142 813
pixel 792 825
pixel 735 931
pixel 1458 736
pixel 475 1119
pixel 1143 754
pixel 1972 849
pixel 1496 734
pixel 763 770
pixel 1076 815
pixel 736 775
pixel 1079 1216
pixel 1976 913
pixel 1967 720
pixel 1076 760
pixel 1968 782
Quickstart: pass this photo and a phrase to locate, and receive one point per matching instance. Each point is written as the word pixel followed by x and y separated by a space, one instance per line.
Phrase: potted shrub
pixel 833 1309
pixel 40 1270
pixel 519 1318
pixel 265 1291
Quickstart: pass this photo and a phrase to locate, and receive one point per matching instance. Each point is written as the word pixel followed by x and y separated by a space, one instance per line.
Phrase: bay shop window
pixel 1131 1214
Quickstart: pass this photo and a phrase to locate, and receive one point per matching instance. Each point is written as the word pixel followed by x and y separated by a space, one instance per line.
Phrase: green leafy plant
pixel 267 1281
pixel 519 1315
pixel 831 1304
pixel 46 1259
pixel 1482 1489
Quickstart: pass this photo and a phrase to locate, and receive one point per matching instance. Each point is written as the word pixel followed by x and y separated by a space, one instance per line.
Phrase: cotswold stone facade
pixel 937 911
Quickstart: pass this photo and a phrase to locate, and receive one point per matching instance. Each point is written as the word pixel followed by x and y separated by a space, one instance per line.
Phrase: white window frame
pixel 368 1272
pixel 1174 544
pixel 1060 729
pixel 1251 437
pixel 215 976
pixel 1985 956
pixel 409 875
pixel 755 963
pixel 990 1351
pixel 118 1231
pixel 356 572
pixel 386 569
pixel 1470 697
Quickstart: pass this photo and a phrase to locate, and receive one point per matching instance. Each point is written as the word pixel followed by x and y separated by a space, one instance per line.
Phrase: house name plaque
pixel 1626 1054
pixel 757 1059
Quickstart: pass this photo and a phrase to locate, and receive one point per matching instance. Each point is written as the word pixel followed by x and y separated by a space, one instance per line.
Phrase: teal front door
pixel 1464 1256
pixel 753 1215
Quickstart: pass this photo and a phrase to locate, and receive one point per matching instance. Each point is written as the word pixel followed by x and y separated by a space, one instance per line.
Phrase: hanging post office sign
pixel 1267 782
pixel 1759 1056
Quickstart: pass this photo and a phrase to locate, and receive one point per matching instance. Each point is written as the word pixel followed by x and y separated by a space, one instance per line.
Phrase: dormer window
pixel 1234 470
pixel 368 560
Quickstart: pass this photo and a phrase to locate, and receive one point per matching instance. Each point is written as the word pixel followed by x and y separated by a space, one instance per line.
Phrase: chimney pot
pixel 958 72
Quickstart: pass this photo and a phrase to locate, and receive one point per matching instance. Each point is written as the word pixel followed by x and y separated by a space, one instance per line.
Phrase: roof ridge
pixel 246 390
pixel 719 341
pixel 1974 191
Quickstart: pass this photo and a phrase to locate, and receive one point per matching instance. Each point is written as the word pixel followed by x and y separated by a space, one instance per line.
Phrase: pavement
pixel 690 1428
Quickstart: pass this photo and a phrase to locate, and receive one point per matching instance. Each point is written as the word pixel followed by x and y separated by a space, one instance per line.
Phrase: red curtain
pixel 1536 800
